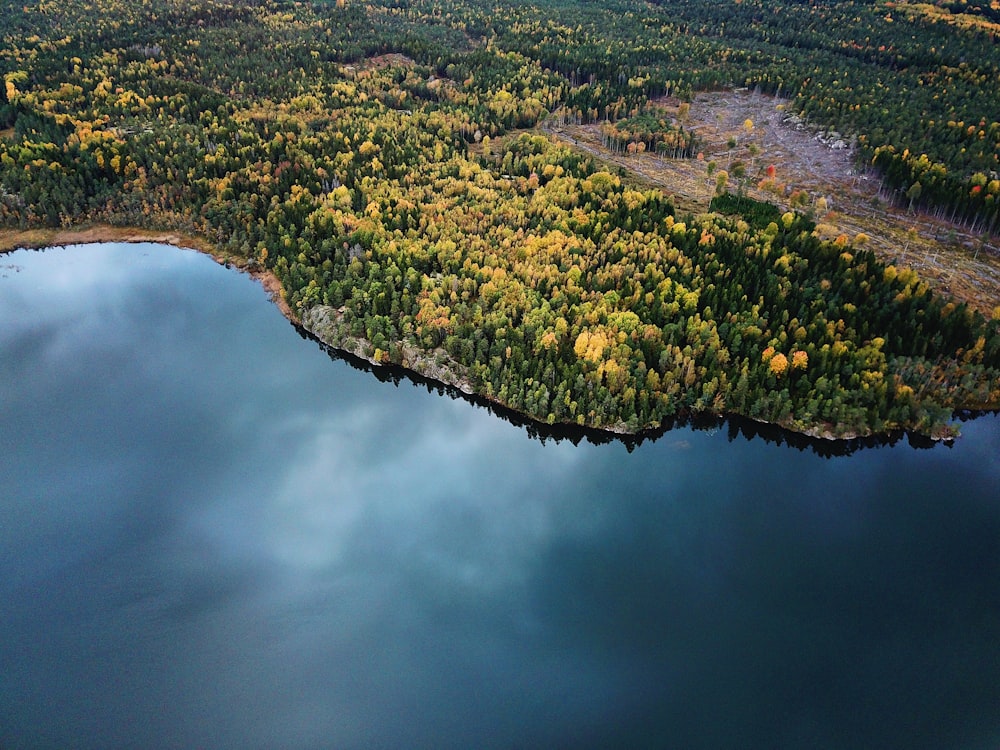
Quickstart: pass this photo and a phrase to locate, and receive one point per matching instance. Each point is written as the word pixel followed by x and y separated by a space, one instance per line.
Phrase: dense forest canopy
pixel 380 159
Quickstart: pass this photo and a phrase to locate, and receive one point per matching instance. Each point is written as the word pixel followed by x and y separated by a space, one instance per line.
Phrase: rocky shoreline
pixel 327 324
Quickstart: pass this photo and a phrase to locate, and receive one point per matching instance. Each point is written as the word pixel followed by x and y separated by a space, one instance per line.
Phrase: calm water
pixel 212 535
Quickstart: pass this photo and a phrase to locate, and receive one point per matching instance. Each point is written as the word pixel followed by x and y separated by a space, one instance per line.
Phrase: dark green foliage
pixel 757 213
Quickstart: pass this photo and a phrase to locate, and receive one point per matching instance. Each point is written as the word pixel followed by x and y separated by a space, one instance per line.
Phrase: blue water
pixel 213 535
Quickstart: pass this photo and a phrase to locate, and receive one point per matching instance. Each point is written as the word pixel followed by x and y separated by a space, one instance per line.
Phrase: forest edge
pixel 323 323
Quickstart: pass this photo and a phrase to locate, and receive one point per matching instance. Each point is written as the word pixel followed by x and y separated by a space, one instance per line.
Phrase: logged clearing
pixel 813 171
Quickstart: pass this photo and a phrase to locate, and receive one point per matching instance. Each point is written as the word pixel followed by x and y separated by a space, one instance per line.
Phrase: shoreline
pixel 13 239
pixel 322 323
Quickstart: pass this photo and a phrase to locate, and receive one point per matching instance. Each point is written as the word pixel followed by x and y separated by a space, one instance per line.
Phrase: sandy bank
pixel 11 239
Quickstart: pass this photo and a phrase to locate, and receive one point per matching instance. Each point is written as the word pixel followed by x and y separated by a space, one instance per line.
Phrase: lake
pixel 214 535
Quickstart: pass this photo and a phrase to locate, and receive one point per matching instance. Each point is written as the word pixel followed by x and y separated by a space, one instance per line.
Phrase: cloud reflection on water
pixel 226 539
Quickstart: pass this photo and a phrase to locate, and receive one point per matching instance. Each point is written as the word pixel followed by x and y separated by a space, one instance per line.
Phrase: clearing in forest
pixel 790 163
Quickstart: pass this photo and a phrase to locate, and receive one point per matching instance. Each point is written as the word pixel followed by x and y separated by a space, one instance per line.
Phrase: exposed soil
pixel 394 59
pixel 390 59
pixel 808 165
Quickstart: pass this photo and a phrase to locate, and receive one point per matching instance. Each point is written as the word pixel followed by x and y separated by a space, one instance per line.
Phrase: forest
pixel 385 161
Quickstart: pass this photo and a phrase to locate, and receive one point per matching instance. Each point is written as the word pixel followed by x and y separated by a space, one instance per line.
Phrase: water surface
pixel 212 535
